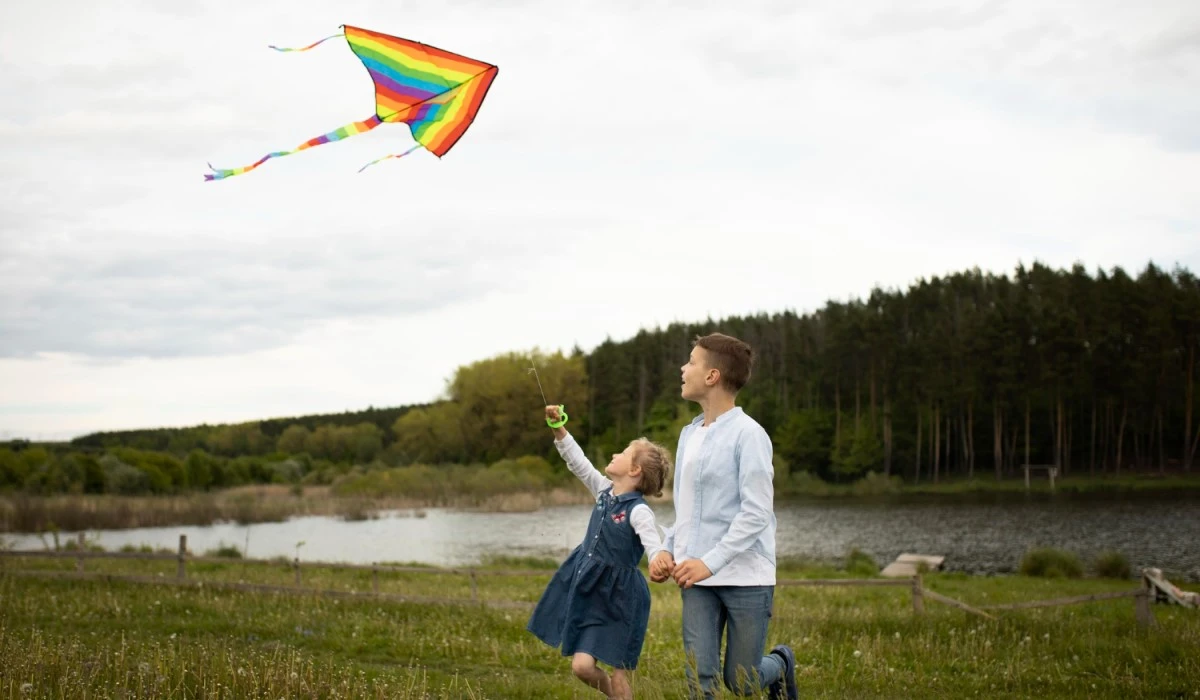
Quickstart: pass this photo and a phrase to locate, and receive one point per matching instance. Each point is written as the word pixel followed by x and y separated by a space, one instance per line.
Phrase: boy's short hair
pixel 655 461
pixel 732 357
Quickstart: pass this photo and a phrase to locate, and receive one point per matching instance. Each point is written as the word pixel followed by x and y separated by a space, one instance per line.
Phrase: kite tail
pixel 347 131
pixel 306 48
pixel 394 155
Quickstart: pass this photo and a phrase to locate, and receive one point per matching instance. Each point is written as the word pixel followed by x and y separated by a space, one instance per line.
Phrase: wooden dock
pixel 907 565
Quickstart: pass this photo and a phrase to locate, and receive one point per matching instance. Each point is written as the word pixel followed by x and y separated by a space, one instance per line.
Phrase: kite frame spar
pixel 435 92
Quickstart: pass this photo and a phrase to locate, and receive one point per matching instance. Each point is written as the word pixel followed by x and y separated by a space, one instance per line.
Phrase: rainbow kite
pixel 435 92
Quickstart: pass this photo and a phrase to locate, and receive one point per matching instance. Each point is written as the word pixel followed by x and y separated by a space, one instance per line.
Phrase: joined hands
pixel 686 575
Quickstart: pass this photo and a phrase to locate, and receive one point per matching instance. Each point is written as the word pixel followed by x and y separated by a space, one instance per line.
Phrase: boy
pixel 721 550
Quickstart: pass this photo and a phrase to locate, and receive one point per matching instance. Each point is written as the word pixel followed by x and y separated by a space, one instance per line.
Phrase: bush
pixel 875 483
pixel 1048 562
pixel 860 563
pixel 227 551
pixel 806 483
pixel 1112 565
pixel 122 478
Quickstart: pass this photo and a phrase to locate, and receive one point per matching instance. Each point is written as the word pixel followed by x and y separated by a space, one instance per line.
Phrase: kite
pixel 435 92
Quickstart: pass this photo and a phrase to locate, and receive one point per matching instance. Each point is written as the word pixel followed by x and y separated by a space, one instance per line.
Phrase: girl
pixel 597 605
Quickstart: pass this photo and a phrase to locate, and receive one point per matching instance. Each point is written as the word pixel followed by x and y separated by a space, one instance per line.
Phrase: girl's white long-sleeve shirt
pixel 640 517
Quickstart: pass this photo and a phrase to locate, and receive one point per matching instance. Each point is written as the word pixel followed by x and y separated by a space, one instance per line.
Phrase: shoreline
pixel 30 514
pixel 23 514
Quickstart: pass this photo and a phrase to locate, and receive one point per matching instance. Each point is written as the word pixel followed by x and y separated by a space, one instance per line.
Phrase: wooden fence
pixel 1142 596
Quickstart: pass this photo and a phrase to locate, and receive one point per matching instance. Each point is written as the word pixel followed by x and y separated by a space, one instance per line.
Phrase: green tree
pixel 502 410
pixel 294 439
pixel 805 441
pixel 200 469
pixel 862 453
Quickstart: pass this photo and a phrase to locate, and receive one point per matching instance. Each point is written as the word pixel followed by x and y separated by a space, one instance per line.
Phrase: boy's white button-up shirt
pixel 724 500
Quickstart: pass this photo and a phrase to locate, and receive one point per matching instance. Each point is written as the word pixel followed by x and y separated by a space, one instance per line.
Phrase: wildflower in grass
pixel 857 653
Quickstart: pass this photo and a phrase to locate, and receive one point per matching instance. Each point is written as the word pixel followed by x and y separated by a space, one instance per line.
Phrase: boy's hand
pixel 661 567
pixel 691 572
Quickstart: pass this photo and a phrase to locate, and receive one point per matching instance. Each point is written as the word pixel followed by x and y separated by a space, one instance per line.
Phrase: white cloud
pixel 625 152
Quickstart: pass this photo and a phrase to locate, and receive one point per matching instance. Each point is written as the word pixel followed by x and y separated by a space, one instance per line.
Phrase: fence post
pixel 918 596
pixel 180 571
pixel 1141 606
pixel 375 578
pixel 79 560
pixel 474 590
pixel 297 565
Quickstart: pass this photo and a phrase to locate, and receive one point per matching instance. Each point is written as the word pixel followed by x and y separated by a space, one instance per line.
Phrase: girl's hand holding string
pixel 553 414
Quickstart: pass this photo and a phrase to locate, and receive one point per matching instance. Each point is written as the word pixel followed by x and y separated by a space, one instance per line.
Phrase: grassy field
pixel 110 639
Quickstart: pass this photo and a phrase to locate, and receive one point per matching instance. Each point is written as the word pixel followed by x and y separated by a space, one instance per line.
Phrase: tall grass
pixel 358 498
pixel 95 638
pixel 23 513
pixel 1050 562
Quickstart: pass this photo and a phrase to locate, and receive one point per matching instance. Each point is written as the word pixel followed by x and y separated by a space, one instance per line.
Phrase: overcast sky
pixel 635 163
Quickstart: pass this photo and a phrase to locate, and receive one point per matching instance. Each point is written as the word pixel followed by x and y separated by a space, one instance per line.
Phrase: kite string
pixel 306 48
pixel 394 155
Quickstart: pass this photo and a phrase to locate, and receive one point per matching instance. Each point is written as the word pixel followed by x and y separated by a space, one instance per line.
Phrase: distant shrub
pixel 357 509
pixel 1048 562
pixel 806 483
pixel 874 484
pixel 227 551
pixel 860 563
pixel 1112 565
pixel 73 546
pixel 123 478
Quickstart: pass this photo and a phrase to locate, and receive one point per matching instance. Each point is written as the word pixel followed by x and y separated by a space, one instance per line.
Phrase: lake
pixel 980 536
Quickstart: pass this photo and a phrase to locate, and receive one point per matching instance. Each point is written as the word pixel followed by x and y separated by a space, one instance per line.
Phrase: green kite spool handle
pixel 561 421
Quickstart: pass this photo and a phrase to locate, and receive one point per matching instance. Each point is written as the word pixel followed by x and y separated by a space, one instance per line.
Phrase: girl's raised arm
pixel 580 465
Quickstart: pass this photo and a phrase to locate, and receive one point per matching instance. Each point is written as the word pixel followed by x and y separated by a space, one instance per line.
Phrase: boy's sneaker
pixel 785 687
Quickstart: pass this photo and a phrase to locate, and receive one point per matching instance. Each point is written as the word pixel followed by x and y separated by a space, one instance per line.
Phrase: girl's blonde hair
pixel 655 461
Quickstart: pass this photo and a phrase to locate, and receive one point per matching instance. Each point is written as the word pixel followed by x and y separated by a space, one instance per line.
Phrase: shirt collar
pixel 724 417
pixel 629 496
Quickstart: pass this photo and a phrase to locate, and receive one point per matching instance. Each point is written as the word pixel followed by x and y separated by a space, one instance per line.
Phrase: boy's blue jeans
pixel 743 613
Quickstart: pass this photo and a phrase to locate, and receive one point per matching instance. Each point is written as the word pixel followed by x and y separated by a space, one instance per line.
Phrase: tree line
pixel 968 375
pixel 953 376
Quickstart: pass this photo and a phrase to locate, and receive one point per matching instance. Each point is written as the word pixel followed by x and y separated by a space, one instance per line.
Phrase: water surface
pixel 983 536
